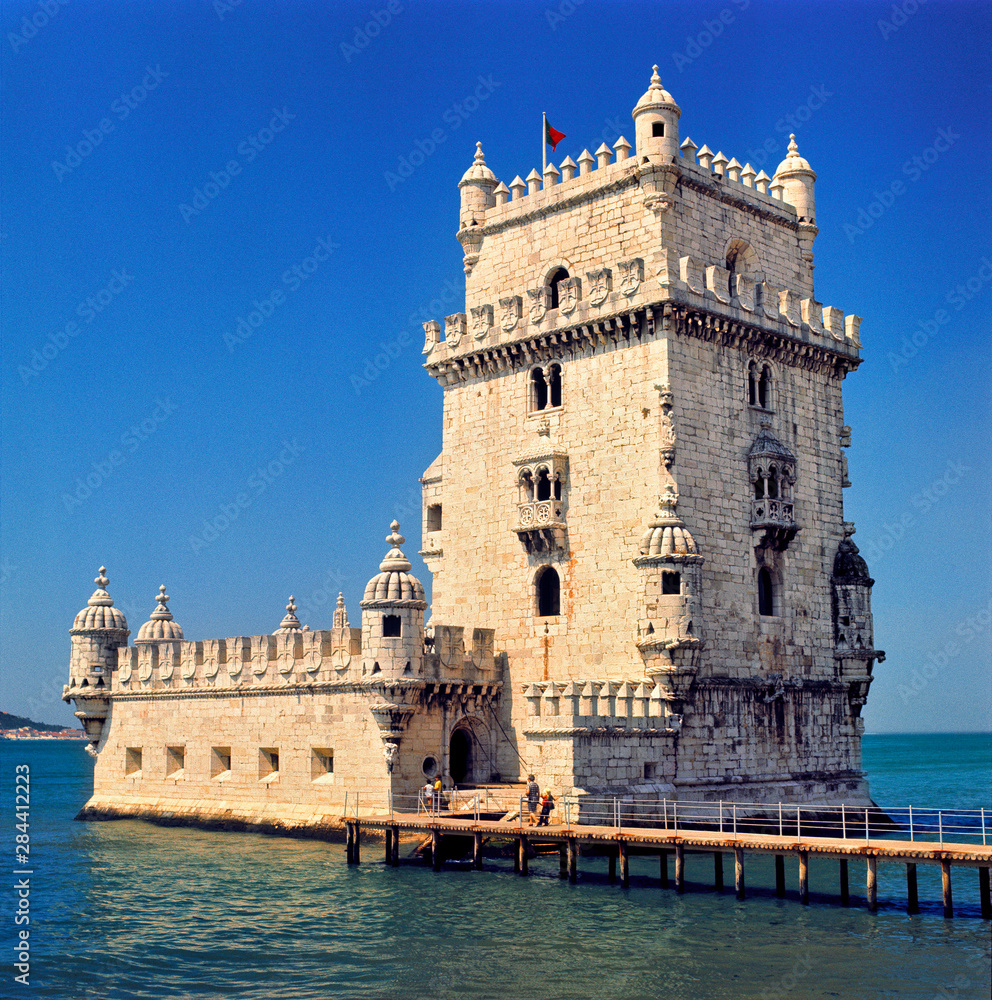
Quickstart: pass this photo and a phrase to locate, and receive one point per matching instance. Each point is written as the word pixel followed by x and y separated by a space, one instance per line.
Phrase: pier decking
pixel 619 842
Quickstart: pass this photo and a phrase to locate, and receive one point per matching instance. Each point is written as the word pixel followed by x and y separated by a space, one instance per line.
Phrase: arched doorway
pixel 461 757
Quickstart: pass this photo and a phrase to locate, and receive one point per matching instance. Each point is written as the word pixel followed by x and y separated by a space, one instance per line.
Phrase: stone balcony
pixel 541 525
pixel 774 517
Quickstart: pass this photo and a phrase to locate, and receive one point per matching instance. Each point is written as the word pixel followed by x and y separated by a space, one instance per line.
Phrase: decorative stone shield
pixel 569 295
pixel 631 275
pixel 540 299
pixel 482 321
pixel 600 285
pixel 511 309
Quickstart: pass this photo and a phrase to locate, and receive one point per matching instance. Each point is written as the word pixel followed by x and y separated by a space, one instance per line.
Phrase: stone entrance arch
pixel 469 753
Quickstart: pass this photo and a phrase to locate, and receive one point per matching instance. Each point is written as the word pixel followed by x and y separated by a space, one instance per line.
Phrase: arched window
pixel 560 274
pixel 773 483
pixel 548 593
pixel 759 487
pixel 765 388
pixel 538 390
pixel 752 384
pixel 766 593
pixel 526 483
pixel 554 385
pixel 543 485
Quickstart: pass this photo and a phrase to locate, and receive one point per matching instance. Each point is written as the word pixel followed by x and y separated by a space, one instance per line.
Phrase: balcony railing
pixel 541 525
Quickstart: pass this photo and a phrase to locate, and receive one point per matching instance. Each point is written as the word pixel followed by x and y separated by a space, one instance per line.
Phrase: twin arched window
pixel 772 483
pixel 759 385
pixel 545 388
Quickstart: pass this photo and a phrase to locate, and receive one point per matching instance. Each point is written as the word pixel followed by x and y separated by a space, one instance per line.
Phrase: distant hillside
pixel 8 721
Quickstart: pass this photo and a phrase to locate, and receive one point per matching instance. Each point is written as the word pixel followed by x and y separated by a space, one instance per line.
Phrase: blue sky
pixel 169 169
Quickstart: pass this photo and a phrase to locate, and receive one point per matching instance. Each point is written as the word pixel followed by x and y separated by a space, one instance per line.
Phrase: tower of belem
pixel 643 582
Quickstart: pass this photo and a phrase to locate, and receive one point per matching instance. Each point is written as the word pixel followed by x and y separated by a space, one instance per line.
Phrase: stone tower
pixel 642 324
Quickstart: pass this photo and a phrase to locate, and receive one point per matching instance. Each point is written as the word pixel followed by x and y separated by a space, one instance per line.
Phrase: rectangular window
pixel 671 583
pixel 649 771
pixel 220 762
pixel 434 517
pixel 175 761
pixel 132 762
pixel 321 764
pixel 268 763
pixel 391 626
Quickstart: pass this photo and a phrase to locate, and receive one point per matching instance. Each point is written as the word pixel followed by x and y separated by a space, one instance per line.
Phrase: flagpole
pixel 544 143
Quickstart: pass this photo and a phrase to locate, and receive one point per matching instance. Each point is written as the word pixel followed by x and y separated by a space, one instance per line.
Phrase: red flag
pixel 552 135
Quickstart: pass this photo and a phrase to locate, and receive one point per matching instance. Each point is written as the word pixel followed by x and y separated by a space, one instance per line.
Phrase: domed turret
pixel 656 122
pixel 797 178
pixel 290 622
pixel 160 627
pixel 393 616
pixel 97 633
pixel 478 186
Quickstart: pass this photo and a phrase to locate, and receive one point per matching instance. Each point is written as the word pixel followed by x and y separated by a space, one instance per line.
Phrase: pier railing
pixel 848 822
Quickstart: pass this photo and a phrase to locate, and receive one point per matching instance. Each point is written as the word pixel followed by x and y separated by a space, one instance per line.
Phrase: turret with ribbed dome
pixel 656 122
pixel 97 632
pixel 797 178
pixel 393 616
pixel 160 627
pixel 477 186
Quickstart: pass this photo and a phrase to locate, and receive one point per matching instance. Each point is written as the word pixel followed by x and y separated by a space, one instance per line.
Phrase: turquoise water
pixel 131 910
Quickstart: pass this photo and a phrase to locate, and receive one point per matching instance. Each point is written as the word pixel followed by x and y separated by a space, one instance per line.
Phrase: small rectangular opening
pixel 220 762
pixel 321 764
pixel 657 130
pixel 671 583
pixel 650 770
pixel 268 763
pixel 132 762
pixel 391 626
pixel 175 761
pixel 434 517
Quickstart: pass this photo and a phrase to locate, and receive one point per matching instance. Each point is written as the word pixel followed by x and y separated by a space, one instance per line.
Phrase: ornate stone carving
pixel 454 329
pixel 631 275
pixel 569 295
pixel 600 285
pixel 482 321
pixel 432 335
pixel 667 432
pixel 540 300
pixel 511 309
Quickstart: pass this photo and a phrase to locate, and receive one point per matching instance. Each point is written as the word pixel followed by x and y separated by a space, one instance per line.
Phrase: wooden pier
pixel 618 843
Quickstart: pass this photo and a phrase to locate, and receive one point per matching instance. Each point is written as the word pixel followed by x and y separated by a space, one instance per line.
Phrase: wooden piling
pixel 613 866
pixel 563 860
pixel 945 883
pixel 845 886
pixel 395 856
pixel 804 877
pixel 436 850
pixel 356 849
pixel 389 845
pixel 573 860
pixel 872 883
pixel 680 868
pixel 912 894
pixel 349 843
pixel 780 876
pixel 663 866
pixel 718 871
pixel 477 851
pixel 983 892
pixel 624 865
pixel 522 846
pixel 739 871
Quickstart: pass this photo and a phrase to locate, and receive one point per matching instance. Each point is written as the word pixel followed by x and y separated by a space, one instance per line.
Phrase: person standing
pixel 547 804
pixel 533 794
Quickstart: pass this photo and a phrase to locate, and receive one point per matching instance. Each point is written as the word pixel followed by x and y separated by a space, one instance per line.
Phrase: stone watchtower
pixel 98 631
pixel 642 324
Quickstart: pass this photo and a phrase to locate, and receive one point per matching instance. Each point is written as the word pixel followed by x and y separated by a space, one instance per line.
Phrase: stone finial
pixel 623 148
pixel 100 596
pixel 395 561
pixel 720 164
pixel 734 170
pixel 689 148
pixel 502 193
pixel 761 182
pixel 162 612
pixel 551 175
pixel 705 157
pixel 340 613
pixel 290 622
pixel 748 175
pixel 568 168
pixel 533 182
pixel 585 162
pixel 478 171
pixel 776 189
pixel 518 187
pixel 603 156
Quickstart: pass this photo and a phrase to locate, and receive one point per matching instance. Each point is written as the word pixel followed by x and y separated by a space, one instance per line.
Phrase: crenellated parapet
pixel 589 705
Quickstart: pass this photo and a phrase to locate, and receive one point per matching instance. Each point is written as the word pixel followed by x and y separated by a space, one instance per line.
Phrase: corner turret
pixel 478 193
pixel 393 617
pixel 97 633
pixel 656 123
pixel 795 179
